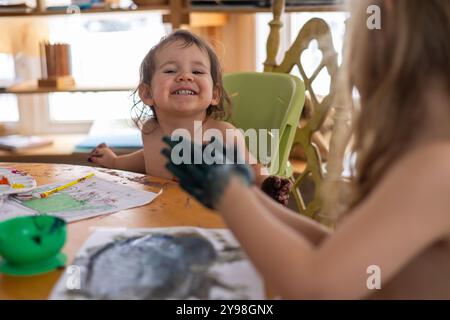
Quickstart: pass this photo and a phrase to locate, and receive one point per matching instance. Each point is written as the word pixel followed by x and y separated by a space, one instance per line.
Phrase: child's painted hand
pixel 103 156
pixel 277 188
pixel 206 182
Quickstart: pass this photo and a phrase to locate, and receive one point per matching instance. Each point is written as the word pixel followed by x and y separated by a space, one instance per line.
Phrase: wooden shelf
pixel 31 87
pixel 62 145
pixel 252 9
pixel 34 13
pixel 62 150
pixel 166 9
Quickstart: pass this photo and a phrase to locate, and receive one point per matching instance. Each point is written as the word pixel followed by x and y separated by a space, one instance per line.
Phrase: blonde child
pixel 394 241
pixel 181 83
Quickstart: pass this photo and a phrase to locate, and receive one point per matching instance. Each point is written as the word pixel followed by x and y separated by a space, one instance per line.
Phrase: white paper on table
pixel 89 198
pixel 239 278
pixel 11 209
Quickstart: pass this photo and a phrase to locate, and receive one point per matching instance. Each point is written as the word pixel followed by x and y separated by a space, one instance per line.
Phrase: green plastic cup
pixel 31 245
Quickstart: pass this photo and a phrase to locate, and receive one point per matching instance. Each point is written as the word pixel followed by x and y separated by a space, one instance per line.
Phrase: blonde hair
pixel 391 67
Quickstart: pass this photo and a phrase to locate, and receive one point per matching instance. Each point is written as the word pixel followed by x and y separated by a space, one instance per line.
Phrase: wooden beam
pixel 208 19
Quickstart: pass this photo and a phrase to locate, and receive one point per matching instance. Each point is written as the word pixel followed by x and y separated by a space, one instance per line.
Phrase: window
pixel 262 33
pixel 106 51
pixel 8 102
pixel 292 23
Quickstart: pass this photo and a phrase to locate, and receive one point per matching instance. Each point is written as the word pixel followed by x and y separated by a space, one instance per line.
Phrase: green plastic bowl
pixel 31 244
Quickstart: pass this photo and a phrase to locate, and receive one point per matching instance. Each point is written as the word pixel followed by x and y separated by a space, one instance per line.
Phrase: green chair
pixel 267 101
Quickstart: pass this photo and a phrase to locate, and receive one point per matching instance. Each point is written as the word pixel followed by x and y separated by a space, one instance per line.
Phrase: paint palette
pixel 13 181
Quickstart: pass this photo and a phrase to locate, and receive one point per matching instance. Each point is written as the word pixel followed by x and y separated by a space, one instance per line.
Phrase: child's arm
pixel 312 230
pixel 277 188
pixel 105 157
pixel 236 139
pixel 402 217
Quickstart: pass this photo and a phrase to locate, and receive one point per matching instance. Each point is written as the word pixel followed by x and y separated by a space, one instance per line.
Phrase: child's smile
pixel 185 91
pixel 182 84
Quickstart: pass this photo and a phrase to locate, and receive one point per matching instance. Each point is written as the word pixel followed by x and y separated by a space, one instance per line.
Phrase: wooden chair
pixel 314 29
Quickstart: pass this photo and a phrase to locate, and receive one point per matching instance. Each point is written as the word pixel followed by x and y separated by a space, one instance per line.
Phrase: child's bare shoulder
pixel 228 132
pixel 436 156
pixel 433 156
pixel 150 126
pixel 150 131
pixel 220 125
pixel 426 165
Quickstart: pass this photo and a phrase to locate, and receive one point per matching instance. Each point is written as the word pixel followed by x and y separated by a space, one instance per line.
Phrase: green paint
pixel 61 202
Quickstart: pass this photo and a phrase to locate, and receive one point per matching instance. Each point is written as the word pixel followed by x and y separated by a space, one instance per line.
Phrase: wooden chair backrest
pixel 315 29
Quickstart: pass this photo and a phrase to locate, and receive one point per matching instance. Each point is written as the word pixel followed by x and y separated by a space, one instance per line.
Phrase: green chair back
pixel 267 101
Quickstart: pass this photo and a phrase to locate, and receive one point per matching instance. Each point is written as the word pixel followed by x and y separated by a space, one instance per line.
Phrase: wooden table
pixel 172 208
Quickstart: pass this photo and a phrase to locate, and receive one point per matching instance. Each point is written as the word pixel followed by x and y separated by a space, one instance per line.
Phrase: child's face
pixel 182 82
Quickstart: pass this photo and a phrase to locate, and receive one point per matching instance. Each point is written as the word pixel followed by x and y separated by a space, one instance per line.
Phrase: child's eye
pixel 169 71
pixel 198 72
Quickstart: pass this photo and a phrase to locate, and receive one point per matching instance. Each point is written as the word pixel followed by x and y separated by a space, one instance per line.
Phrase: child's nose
pixel 185 76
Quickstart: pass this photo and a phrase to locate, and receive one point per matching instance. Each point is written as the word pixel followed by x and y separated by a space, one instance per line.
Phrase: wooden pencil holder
pixel 56 66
